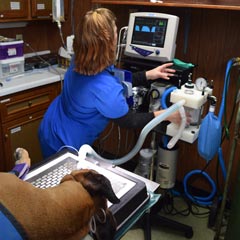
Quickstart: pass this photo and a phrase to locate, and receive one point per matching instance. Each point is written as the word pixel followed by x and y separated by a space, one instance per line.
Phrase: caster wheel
pixel 189 234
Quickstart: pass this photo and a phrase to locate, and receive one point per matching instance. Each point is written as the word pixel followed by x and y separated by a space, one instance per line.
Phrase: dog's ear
pixel 67 177
pixel 104 229
pixel 97 184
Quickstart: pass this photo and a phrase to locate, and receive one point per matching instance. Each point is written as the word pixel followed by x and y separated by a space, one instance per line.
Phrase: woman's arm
pixel 134 120
pixel 139 120
pixel 163 71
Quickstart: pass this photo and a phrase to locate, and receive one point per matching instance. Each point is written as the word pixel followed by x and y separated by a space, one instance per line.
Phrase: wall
pixel 44 34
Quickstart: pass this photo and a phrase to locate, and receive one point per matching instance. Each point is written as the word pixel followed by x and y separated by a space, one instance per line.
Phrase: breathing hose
pixel 163 103
pixel 87 151
pixel 205 201
pixel 197 199
pixel 165 95
pixel 208 199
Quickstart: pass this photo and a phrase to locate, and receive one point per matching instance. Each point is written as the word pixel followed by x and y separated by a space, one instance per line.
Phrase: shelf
pixel 166 3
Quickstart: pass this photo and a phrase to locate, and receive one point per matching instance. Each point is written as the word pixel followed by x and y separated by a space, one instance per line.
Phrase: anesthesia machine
pixel 195 96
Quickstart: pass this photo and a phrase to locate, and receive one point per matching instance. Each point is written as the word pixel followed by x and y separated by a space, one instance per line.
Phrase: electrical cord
pixel 68 147
pixel 126 141
pixel 119 43
pixel 228 125
pixel 72 18
pixel 61 34
pixel 171 205
pixel 227 181
pixel 119 142
pixel 120 55
pixel 225 129
pixel 101 141
pixel 130 144
pixel 46 62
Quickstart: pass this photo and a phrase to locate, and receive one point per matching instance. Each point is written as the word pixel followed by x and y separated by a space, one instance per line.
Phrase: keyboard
pixel 53 175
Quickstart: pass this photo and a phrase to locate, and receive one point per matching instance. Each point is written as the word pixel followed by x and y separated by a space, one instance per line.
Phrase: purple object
pixel 11 49
pixel 21 170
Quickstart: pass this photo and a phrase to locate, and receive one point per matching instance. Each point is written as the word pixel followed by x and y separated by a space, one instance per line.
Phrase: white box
pixel 11 67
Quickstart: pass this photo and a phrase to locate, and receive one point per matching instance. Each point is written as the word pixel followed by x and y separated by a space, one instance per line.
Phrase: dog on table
pixel 68 211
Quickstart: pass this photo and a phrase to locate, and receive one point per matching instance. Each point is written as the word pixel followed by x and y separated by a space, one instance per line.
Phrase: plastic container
pixel 11 49
pixel 144 166
pixel 11 67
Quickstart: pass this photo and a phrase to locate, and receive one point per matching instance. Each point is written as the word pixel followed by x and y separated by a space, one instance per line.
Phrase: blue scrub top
pixel 82 111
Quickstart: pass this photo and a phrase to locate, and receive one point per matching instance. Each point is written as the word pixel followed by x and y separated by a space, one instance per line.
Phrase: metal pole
pixel 233 149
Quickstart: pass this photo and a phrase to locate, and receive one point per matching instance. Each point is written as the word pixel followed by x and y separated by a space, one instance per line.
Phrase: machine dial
pixel 201 83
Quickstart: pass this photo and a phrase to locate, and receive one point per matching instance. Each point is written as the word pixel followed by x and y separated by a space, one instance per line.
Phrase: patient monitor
pixel 152 36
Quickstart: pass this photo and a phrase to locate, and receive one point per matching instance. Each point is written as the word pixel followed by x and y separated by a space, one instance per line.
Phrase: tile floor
pixel 198 222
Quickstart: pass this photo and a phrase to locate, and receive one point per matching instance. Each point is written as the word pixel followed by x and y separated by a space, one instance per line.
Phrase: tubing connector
pixel 236 61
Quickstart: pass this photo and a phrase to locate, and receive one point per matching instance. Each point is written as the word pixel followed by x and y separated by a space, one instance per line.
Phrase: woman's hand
pixel 162 71
pixel 174 117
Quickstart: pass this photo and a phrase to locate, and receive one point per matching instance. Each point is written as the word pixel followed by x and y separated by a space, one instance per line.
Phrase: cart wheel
pixel 189 234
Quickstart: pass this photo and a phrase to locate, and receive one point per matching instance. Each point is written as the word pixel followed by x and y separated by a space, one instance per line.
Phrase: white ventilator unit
pixel 194 100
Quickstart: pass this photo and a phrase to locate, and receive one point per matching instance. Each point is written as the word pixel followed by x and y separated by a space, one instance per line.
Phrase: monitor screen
pixel 149 31
pixel 152 36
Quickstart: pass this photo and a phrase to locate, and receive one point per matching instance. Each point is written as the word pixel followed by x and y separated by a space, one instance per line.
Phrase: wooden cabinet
pixel 14 9
pixel 20 115
pixel 208 4
pixel 43 8
pixel 19 10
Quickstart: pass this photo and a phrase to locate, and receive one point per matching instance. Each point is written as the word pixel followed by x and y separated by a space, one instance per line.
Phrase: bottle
pixel 145 163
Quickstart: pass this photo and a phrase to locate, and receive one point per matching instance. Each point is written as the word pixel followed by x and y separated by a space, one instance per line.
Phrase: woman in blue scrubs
pixel 91 95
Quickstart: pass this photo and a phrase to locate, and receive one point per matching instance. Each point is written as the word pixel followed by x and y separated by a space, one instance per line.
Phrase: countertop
pixel 30 79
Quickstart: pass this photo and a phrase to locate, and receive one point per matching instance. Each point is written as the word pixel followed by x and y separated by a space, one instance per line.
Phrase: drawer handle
pixel 6 136
pixel 29 103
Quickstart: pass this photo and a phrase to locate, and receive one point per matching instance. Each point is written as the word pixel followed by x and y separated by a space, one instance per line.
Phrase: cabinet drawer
pixel 14 9
pixel 21 132
pixel 16 105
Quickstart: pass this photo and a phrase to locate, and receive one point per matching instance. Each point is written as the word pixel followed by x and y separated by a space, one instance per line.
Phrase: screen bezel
pixel 162 54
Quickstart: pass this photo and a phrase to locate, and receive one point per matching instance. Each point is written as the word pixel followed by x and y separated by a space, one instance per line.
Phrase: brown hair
pixel 93 45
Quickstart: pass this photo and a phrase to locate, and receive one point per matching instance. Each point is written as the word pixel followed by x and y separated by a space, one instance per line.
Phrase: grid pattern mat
pixel 53 175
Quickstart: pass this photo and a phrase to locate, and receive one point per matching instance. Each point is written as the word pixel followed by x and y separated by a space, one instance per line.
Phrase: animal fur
pixel 62 212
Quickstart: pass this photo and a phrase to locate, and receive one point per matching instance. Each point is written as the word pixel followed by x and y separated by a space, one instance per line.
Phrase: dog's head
pixel 102 224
